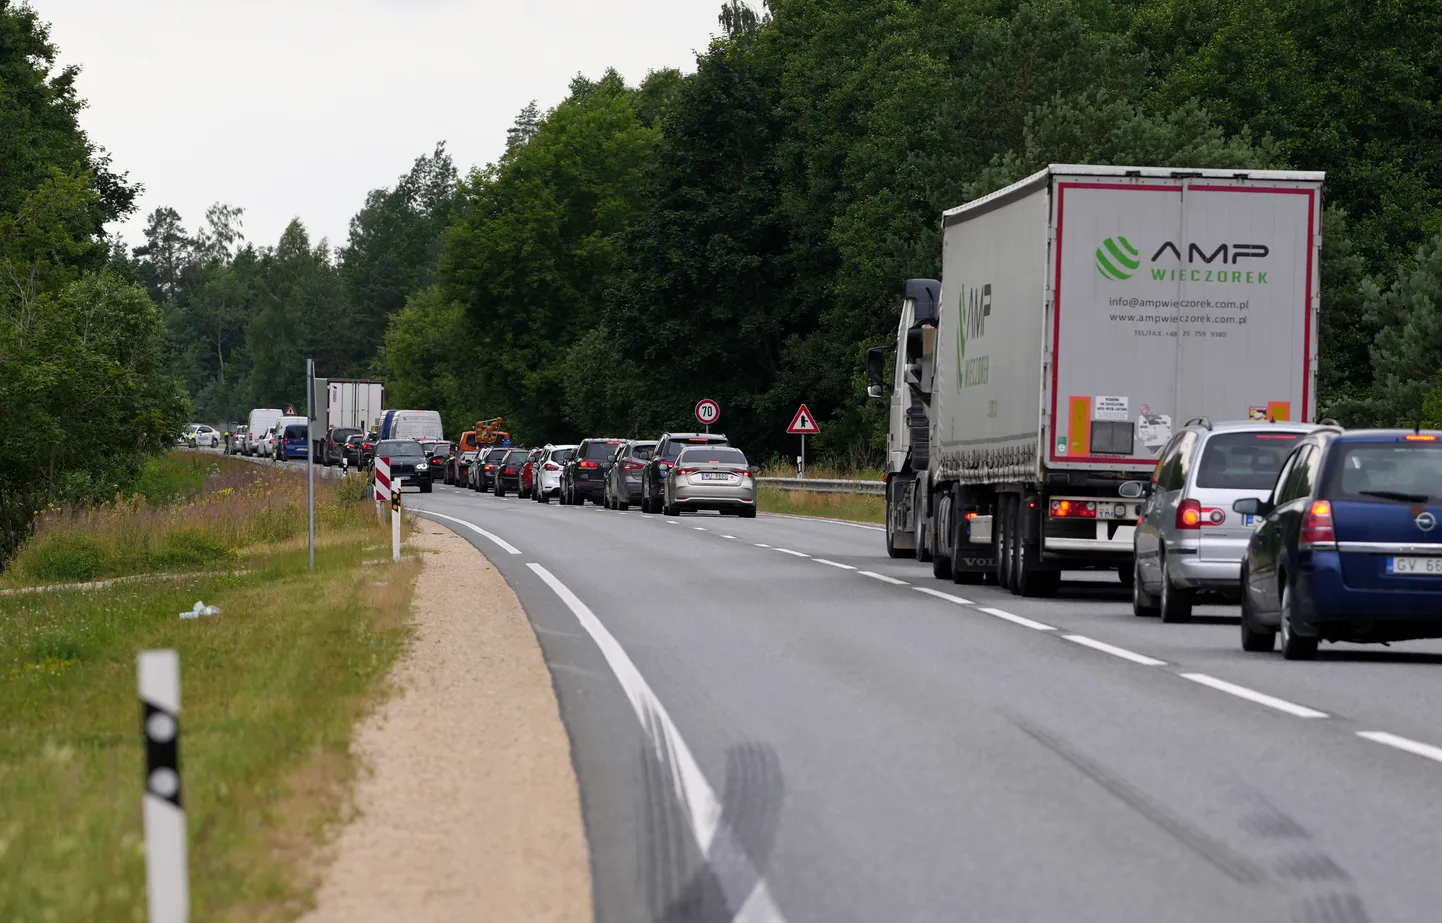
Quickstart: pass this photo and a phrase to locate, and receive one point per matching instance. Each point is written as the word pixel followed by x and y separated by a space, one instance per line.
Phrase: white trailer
pixel 1083 314
pixel 356 404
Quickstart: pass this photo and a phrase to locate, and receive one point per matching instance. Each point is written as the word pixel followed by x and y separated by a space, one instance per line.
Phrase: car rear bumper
pixel 1327 607
pixel 696 497
pixel 1186 570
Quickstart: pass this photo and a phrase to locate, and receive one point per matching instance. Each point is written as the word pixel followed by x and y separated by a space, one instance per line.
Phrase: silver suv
pixel 1188 537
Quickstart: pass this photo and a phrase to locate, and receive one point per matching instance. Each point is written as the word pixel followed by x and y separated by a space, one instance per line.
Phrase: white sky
pixel 297 109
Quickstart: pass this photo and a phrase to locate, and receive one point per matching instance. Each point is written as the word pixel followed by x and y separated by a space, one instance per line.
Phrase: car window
pixel 1291 487
pixel 643 452
pixel 399 448
pixel 561 456
pixel 294 432
pixel 601 448
pixel 714 455
pixel 1385 472
pixel 515 457
pixel 1244 461
pixel 1285 474
pixel 1174 468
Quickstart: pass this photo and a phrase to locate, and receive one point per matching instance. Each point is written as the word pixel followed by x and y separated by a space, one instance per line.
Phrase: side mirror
pixel 876 364
pixel 1251 506
pixel 875 392
pixel 1134 490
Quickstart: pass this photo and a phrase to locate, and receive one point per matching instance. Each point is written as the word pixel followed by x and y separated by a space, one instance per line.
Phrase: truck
pixel 354 404
pixel 1082 314
pixel 411 424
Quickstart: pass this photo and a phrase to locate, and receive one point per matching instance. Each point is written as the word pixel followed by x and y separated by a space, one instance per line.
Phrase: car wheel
pixel 426 487
pixel 500 488
pixel 543 497
pixel 748 512
pixel 1255 638
pixel 622 506
pixel 1144 604
pixel 1126 575
pixel 1294 646
pixel 1177 601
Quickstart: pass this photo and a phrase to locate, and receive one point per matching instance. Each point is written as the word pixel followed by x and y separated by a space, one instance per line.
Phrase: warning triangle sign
pixel 803 423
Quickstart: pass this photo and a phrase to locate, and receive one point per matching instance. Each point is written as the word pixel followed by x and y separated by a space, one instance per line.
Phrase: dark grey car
pixel 623 481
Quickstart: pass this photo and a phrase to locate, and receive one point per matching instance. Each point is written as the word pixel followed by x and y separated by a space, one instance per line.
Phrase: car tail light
pixel 588 464
pixel 1192 515
pixel 551 466
pixel 687 470
pixel 743 472
pixel 1318 532
pixel 1421 437
pixel 634 466
pixel 490 467
pixel 1073 509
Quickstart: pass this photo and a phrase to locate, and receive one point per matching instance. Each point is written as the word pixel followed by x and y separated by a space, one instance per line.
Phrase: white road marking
pixel 701 528
pixel 1115 651
pixel 882 577
pixel 674 522
pixel 946 596
pixel 759 545
pixel 732 537
pixel 1251 695
pixel 1015 619
pixel 833 563
pixel 834 522
pixel 741 884
pixel 1416 748
pixel 505 545
pixel 798 554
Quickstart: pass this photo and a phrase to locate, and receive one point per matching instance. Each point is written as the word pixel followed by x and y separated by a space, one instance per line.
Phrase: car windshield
pixel 711 455
pixel 399 448
pixel 1386 472
pixel 562 455
pixel 643 452
pixel 601 449
pixel 1244 461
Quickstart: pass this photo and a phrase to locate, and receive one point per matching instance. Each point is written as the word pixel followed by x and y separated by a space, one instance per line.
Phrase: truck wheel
pixel 1001 523
pixel 891 550
pixel 924 551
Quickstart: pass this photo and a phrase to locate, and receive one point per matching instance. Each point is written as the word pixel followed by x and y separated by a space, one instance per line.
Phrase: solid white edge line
pixel 1252 695
pixel 1414 747
pixel 946 596
pixel 1015 619
pixel 799 554
pixel 505 545
pixel 834 522
pixel 833 564
pixel 693 791
pixel 1115 651
pixel 882 577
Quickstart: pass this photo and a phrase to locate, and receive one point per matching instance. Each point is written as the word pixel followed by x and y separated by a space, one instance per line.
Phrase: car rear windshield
pixel 495 455
pixel 1385 472
pixel 712 455
pixel 516 457
pixel 295 432
pixel 675 447
pixel 1244 461
pixel 643 452
pixel 398 448
pixel 601 448
pixel 562 455
pixel 343 433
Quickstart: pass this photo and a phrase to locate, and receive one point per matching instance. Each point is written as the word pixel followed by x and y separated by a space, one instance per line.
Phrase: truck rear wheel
pixel 1028 577
pixel 891 550
pixel 1001 524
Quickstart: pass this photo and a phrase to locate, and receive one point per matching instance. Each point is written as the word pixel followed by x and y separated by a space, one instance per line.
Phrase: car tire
pixel 622 506
pixel 500 488
pixel 1257 639
pixel 1126 575
pixel 543 497
pixel 1294 646
pixel 426 487
pixel 1177 601
pixel 748 512
pixel 1144 604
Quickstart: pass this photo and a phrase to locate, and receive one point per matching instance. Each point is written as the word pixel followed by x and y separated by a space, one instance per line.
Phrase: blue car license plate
pixel 1419 567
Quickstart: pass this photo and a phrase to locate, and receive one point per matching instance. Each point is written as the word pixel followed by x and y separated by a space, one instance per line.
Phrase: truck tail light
pixel 1318 532
pixel 1073 509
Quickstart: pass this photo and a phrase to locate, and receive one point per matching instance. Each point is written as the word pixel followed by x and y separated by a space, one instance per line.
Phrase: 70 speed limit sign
pixel 708 411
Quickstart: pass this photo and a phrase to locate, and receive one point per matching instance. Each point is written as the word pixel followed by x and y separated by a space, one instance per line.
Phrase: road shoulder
pixel 470 808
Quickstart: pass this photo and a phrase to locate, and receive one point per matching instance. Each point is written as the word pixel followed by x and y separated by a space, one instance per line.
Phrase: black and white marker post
pixel 167 880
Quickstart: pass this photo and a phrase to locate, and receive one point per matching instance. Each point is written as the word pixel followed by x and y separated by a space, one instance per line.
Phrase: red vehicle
pixel 528 474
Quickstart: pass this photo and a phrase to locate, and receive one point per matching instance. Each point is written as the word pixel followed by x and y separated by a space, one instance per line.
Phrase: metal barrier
pixel 825 486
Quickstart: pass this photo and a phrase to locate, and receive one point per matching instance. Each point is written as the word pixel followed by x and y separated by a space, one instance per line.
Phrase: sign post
pixel 707 412
pixel 395 523
pixel 803 424
pixel 167 879
pixel 310 459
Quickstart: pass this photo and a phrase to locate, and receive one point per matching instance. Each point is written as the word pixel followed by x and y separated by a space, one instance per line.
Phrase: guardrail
pixel 826 486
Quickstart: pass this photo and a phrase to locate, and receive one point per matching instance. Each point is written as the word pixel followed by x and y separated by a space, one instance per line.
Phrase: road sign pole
pixel 395 523
pixel 310 460
pixel 802 472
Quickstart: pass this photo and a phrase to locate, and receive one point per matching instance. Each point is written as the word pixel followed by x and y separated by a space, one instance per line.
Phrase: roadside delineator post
pixel 383 487
pixel 395 524
pixel 166 877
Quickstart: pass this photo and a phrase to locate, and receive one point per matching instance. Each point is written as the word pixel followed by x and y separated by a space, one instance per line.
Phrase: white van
pixel 261 420
pixel 411 424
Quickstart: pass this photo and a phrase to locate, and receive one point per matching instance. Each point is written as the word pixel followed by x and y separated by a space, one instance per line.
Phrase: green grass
pixel 176 475
pixel 856 507
pixel 271 689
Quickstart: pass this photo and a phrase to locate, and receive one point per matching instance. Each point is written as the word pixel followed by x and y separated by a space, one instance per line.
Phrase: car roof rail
pixel 1203 421
pixel 1328 421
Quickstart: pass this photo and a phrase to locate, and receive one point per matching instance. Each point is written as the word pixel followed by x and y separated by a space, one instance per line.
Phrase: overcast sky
pixel 297 109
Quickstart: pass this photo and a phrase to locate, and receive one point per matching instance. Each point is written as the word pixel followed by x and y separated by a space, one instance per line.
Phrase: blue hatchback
pixel 295 443
pixel 1350 548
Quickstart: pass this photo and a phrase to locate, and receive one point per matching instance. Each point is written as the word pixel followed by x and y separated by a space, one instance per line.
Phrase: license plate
pixel 1430 567
pixel 1251 519
pixel 716 476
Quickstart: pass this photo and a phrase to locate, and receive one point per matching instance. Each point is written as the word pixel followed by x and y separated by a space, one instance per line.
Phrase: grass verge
pixel 856 507
pixel 271 689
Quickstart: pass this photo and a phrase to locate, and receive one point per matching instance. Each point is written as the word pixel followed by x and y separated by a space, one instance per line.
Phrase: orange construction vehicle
pixel 487 433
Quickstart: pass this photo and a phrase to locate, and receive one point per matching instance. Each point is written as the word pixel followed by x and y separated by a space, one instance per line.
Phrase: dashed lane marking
pixel 883 578
pixel 1252 695
pixel 946 596
pixel 1115 651
pixel 1015 619
pixel 799 554
pixel 1414 747
pixel 833 564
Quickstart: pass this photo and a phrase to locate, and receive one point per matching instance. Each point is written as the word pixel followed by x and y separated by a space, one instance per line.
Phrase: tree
pixel 526 125
pixel 1407 353
pixel 161 260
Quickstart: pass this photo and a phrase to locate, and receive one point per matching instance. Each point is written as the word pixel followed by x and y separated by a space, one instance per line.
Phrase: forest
pixel 738 231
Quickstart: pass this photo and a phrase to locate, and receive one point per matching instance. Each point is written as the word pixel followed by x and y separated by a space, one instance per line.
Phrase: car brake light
pixel 743 472
pixel 1192 515
pixel 490 467
pixel 1318 531
pixel 588 464
pixel 510 471
pixel 634 466
pixel 687 470
pixel 1421 437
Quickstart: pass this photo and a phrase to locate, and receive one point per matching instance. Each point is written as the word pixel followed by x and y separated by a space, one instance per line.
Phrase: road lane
pixel 887 754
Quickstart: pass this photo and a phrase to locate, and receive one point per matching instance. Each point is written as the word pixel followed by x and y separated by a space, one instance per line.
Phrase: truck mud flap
pixel 977 562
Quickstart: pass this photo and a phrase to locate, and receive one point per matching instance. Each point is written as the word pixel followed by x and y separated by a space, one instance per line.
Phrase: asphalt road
pixel 771 720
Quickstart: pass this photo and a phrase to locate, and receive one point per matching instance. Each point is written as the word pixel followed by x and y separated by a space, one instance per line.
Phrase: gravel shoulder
pixel 468 806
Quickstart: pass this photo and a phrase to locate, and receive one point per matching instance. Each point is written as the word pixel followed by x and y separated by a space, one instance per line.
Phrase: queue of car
pixel 1316 532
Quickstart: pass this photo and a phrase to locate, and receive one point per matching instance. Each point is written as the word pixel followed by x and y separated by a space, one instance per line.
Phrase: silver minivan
pixel 1189 538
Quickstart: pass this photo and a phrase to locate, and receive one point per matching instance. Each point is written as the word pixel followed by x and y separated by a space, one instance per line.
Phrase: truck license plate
pixel 1431 567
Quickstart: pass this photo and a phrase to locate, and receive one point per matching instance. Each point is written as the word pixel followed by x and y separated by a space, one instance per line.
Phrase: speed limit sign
pixel 708 411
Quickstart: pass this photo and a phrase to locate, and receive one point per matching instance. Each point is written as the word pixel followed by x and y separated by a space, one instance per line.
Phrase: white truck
pixel 1083 314
pixel 351 404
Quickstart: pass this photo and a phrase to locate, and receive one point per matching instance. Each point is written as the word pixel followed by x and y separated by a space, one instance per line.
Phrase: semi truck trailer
pixel 1083 315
